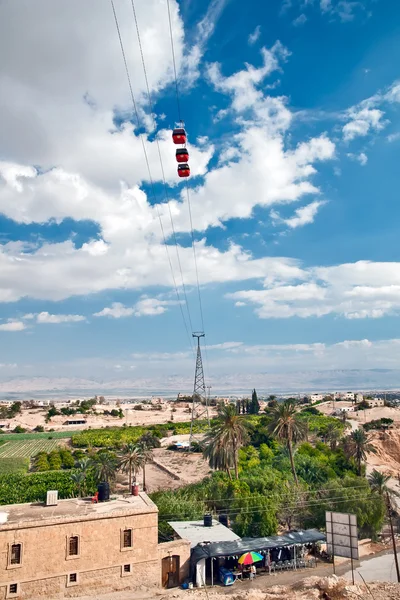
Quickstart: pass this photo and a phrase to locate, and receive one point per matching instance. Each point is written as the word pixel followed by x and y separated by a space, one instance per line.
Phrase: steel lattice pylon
pixel 199 399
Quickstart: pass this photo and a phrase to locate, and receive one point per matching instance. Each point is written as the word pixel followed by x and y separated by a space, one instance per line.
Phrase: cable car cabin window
pixel 127 538
pixel 15 554
pixel 73 549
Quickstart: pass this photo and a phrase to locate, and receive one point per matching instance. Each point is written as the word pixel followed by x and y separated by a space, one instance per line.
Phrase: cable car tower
pixel 199 398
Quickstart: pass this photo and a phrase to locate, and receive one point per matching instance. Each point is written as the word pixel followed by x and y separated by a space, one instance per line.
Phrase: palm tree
pixel 105 466
pixel 357 445
pixel 287 426
pixel 224 440
pixel 217 455
pixel 131 460
pixel 79 479
pixel 332 435
pixel 378 481
pixel 147 455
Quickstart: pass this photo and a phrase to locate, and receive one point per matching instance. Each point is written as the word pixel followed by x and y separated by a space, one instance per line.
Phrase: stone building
pixel 76 548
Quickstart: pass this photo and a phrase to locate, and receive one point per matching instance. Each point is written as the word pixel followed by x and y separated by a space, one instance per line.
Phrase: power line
pixel 161 161
pixel 332 501
pixel 148 168
pixel 173 62
pixel 278 496
pixel 186 183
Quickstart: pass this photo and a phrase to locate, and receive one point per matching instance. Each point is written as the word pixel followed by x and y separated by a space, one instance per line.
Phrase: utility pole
pixel 389 510
pixel 199 399
pixel 209 393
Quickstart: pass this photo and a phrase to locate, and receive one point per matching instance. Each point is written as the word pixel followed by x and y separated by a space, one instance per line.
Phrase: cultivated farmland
pixel 26 448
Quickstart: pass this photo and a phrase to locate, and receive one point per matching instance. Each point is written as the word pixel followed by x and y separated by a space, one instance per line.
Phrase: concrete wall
pixel 46 564
pixel 180 548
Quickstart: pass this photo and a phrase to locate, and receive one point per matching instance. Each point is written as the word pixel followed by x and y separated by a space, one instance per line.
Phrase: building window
pixel 15 554
pixel 12 590
pixel 126 570
pixel 127 538
pixel 72 579
pixel 73 548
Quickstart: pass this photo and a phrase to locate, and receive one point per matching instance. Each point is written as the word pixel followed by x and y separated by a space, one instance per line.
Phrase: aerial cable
pixel 161 162
pixel 174 63
pixel 148 169
pixel 187 187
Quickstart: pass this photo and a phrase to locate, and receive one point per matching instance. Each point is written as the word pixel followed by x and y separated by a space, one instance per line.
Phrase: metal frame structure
pixel 199 398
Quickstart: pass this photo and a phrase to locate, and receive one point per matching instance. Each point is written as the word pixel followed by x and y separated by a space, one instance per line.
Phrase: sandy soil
pixel 271 588
pixel 31 418
pixel 170 470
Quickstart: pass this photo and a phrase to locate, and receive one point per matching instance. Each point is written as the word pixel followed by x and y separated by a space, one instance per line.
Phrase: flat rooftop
pixel 74 509
pixel 196 532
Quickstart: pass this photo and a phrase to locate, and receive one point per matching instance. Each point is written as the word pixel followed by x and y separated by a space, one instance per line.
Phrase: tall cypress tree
pixel 255 405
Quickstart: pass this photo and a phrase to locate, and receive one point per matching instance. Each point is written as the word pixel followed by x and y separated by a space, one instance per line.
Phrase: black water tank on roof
pixel 104 491
pixel 224 520
pixel 207 520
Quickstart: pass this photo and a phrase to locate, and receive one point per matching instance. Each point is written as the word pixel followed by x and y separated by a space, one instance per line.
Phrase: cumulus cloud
pixel 362 158
pixel 354 291
pixel 129 223
pixel 367 116
pixel 302 216
pixel 144 307
pixel 362 122
pixel 45 317
pixel 12 326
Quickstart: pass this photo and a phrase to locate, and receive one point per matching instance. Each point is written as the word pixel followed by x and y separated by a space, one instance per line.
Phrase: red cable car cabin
pixel 182 155
pixel 183 170
pixel 179 136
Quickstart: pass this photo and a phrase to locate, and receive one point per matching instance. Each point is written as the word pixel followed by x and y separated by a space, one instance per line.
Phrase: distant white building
pixel 374 402
pixel 316 397
pixel 359 397
pixel 348 396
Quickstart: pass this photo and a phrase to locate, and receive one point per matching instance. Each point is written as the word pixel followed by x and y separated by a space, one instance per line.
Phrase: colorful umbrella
pixel 249 558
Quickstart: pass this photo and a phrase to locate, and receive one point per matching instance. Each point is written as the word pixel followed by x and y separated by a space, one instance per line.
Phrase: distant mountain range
pixel 265 383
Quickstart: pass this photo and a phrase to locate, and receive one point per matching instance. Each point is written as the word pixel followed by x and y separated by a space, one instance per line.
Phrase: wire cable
pixel 148 167
pixel 161 163
pixel 187 186
pixel 173 62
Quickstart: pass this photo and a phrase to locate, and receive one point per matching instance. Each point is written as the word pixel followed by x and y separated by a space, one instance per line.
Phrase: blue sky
pixel 293 115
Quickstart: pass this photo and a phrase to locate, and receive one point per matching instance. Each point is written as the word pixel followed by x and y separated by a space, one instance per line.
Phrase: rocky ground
pixel 311 588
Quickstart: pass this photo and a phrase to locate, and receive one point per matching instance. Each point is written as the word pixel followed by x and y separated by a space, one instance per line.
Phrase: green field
pixel 14 465
pixel 26 448
pixel 37 436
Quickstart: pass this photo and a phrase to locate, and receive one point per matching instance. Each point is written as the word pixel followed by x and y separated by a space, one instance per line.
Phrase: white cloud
pixel 116 310
pixel 361 122
pixel 45 317
pixel 355 291
pixel 393 137
pixel 144 307
pixel 205 29
pixel 362 158
pixel 300 20
pixel 129 224
pixel 12 326
pixel 302 216
pixel 253 37
pixel 367 116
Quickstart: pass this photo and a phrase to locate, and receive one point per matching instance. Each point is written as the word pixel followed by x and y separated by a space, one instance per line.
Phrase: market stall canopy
pixel 240 546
